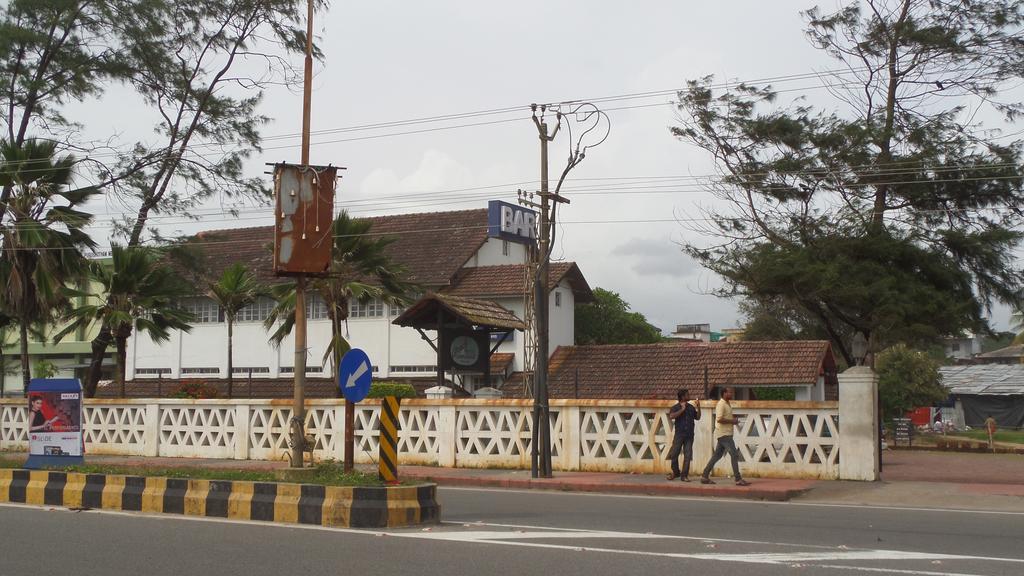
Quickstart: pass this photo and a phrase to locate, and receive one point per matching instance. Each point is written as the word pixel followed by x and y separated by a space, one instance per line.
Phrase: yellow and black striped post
pixel 387 451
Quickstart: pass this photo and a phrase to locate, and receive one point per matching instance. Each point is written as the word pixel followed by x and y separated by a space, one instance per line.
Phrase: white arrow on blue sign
pixel 355 374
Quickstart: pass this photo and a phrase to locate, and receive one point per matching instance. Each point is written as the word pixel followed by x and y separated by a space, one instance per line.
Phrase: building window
pixel 256 312
pixel 370 309
pixel 152 372
pixel 558 298
pixel 316 308
pixel 504 247
pixel 954 346
pixel 247 369
pixel 420 368
pixel 200 370
pixel 309 369
pixel 204 310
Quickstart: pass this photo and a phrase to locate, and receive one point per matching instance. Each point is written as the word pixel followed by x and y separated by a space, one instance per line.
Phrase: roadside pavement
pixel 916 479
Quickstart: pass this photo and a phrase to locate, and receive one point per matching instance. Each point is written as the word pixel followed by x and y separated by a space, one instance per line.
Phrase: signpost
pixel 354 376
pixel 903 431
pixel 55 423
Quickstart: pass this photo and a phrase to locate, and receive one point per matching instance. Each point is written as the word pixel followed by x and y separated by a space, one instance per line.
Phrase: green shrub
pixel 397 389
pixel 770 393
pixel 195 389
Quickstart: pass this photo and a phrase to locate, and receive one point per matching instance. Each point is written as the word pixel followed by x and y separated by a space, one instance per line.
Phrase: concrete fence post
pixel 447 419
pixel 242 418
pixel 572 449
pixel 858 424
pixel 151 434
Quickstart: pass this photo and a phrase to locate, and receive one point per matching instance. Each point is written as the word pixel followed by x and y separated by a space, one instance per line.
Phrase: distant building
pixel 984 390
pixel 962 347
pixel 700 332
pixel 1010 355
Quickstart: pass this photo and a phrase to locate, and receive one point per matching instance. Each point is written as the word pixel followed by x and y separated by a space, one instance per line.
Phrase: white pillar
pixel 571 449
pixel 151 432
pixel 858 424
pixel 447 419
pixel 242 417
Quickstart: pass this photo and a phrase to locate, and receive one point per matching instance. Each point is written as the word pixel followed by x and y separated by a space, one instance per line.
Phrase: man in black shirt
pixel 683 413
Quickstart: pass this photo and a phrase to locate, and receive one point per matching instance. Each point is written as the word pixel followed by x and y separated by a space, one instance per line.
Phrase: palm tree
pixel 42 234
pixel 5 323
pixel 360 270
pixel 234 290
pixel 137 290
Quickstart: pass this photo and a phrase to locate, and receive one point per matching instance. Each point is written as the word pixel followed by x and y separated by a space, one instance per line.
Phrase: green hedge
pixel 770 393
pixel 382 389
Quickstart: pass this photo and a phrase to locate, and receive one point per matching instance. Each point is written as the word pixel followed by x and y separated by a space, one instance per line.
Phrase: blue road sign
pixel 355 374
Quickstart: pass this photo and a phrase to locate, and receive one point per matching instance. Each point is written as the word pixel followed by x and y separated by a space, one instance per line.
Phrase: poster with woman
pixel 54 422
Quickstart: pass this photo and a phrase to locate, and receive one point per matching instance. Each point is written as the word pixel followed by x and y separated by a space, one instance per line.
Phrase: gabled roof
pixel 643 371
pixel 482 313
pixel 509 280
pixel 984 379
pixel 433 246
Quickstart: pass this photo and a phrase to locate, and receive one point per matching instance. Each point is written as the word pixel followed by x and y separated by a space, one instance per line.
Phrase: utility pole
pixel 540 455
pixel 299 398
pixel 593 122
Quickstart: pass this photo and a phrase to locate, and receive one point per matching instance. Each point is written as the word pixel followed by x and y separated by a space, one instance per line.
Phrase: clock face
pixel 465 351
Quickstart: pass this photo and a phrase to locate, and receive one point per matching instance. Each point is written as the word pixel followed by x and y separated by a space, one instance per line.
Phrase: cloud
pixel 654 257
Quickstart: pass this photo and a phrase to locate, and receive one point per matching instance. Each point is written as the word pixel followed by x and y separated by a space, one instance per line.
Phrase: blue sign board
pixel 354 375
pixel 511 222
pixel 54 423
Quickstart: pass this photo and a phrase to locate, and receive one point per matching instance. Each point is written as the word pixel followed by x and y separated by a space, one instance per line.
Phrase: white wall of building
pixel 387 345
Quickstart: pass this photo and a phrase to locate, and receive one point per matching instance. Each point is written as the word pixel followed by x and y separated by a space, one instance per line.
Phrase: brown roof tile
pixel 645 371
pixel 509 280
pixel 433 246
pixel 423 313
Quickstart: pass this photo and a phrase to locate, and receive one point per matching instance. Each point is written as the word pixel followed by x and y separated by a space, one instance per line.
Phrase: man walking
pixel 683 414
pixel 990 427
pixel 724 423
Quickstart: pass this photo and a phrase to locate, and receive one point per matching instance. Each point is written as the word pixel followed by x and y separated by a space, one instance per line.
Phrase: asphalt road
pixel 507 532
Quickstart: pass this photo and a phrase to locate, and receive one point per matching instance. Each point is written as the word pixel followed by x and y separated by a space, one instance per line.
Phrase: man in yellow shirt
pixel 724 423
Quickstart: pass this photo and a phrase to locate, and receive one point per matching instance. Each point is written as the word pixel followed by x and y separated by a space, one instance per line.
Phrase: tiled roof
pixel 501 362
pixel 433 246
pixel 645 371
pixel 1014 351
pixel 423 313
pixel 509 280
pixel 984 379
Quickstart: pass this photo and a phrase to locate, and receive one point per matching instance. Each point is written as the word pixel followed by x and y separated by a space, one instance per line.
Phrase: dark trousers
pixel 725 444
pixel 682 444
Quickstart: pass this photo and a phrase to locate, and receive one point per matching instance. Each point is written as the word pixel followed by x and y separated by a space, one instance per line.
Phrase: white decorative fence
pixel 775 439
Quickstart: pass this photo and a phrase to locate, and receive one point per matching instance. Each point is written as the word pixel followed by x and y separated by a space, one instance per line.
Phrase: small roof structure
pixel 984 379
pixel 458 310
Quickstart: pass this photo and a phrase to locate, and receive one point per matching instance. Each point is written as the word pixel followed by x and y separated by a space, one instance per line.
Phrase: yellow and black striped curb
pixel 338 506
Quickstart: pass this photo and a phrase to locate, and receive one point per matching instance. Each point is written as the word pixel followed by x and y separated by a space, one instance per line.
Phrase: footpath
pixel 942 480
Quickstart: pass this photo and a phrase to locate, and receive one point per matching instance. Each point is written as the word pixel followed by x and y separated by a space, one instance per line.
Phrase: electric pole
pixel 592 121
pixel 540 455
pixel 299 399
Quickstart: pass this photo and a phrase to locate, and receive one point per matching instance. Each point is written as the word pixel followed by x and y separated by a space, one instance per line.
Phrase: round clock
pixel 465 351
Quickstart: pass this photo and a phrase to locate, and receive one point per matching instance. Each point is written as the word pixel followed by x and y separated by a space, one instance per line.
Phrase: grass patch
pixel 1011 436
pixel 327 473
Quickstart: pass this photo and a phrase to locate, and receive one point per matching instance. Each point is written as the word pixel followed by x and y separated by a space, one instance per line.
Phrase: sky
pixel 387 60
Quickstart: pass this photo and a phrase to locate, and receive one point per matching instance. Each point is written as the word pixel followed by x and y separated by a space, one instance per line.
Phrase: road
pixel 509 532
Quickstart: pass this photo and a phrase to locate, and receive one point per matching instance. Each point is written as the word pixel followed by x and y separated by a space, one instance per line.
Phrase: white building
pixel 447 252
pixel 701 332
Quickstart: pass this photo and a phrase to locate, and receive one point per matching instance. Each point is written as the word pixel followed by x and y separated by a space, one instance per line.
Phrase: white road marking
pixel 730 500
pixel 502 538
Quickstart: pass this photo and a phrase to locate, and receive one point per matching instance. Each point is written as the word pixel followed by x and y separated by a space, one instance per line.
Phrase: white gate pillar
pixel 858 424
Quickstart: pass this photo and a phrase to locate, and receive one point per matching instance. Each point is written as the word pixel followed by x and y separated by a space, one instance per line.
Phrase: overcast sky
pixel 388 60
